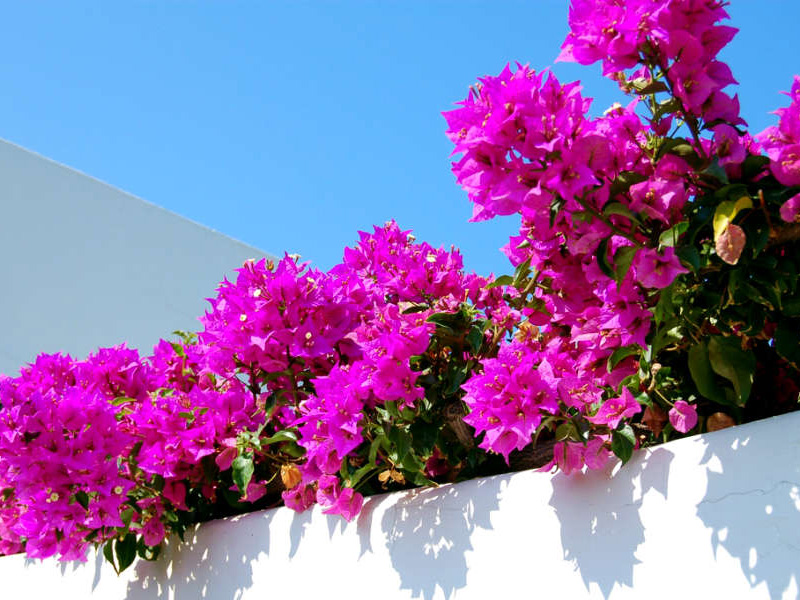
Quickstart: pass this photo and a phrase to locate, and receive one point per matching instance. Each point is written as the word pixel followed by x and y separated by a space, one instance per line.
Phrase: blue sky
pixel 292 125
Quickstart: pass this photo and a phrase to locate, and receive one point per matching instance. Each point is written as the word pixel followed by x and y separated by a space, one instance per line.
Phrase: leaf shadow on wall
pixel 752 505
pixel 208 565
pixel 599 517
pixel 428 533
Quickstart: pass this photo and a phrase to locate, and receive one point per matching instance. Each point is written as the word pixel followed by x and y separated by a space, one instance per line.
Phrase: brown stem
pixel 785 234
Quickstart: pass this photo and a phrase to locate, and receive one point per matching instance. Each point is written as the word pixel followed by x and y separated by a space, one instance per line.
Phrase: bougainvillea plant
pixel 654 295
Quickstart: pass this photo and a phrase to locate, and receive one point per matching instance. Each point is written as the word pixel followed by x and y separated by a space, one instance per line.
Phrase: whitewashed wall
pixel 83 264
pixel 713 516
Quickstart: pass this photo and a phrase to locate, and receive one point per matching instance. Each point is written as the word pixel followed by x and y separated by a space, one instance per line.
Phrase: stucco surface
pixel 712 516
pixel 86 265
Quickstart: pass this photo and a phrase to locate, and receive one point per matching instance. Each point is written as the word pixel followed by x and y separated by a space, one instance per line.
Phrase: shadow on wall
pixel 599 517
pixel 428 533
pixel 754 517
pixel 195 569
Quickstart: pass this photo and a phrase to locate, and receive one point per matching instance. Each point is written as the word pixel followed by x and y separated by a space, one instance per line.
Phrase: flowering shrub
pixel 654 294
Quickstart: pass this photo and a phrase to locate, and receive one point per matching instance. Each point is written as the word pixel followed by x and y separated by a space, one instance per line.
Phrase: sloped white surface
pixel 712 516
pixel 86 265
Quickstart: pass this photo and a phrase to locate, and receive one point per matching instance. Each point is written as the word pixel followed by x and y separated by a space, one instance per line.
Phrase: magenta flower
pixel 657 270
pixel 614 410
pixel 683 416
pixel 790 210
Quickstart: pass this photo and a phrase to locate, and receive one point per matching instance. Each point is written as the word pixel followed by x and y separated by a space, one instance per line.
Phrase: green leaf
pixel 522 272
pixel 716 171
pixel 401 440
pixel 420 480
pixel 147 552
pixel 618 208
pixel 645 86
pixel 555 207
pixel 364 472
pixel 602 258
pixel 623 258
pixel 689 255
pixel 242 472
pixel 415 308
pixel 127 515
pixel 121 400
pixel 82 498
pixel 703 374
pixel 125 549
pixel 787 341
pixel 666 107
pixel 670 236
pixel 623 442
pixel 623 182
pixel 108 553
pixel 726 212
pixel 680 147
pixel 734 364
pixel 281 436
pixel 447 321
pixel 475 338
pixel 621 354
pixel 502 280
pixel 754 165
pixel 374 446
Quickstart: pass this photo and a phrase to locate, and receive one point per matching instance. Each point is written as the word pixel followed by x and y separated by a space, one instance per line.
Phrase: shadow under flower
pixel 428 533
pixel 598 513
pixel 752 502
pixel 208 564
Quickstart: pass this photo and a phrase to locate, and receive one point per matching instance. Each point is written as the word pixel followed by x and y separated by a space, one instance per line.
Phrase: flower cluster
pixel 782 145
pixel 654 294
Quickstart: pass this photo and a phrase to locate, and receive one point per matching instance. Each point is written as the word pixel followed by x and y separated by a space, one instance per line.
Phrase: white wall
pixel 83 264
pixel 712 516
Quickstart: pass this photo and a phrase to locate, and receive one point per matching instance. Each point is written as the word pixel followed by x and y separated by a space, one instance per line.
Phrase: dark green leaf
pixel 280 436
pixel 666 107
pixel 703 374
pixel 620 354
pixel 242 472
pixel 690 256
pixel 787 341
pixel 624 181
pixel 734 364
pixel 618 208
pixel 416 308
pixel 402 442
pixel 671 236
pixel 147 552
pixel 125 550
pixel 623 258
pixel 623 442
pixel 522 272
pixel 475 338
pixel 108 553
pixel 644 86
pixel 716 171
pixel 602 259
pixel 502 280
pixel 364 472
pixel 754 165
pixel 82 498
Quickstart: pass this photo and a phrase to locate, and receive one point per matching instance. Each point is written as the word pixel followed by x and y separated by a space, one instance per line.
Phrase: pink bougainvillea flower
pixel 614 410
pixel 683 416
pixel 657 270
pixel 790 210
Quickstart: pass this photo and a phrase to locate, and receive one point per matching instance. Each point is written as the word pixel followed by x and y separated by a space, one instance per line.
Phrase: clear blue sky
pixel 291 125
